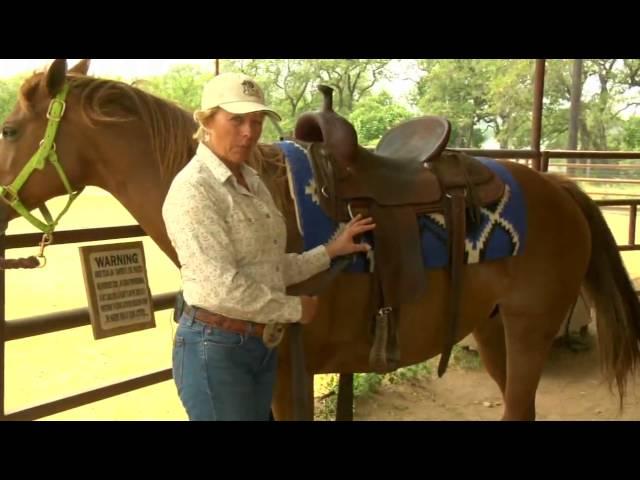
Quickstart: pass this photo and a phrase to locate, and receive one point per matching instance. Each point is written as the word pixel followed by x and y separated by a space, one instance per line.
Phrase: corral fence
pixel 39 325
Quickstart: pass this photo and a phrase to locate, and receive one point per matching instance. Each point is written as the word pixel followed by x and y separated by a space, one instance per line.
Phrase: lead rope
pixel 29 262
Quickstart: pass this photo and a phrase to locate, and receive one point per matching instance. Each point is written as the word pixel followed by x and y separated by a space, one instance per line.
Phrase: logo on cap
pixel 251 89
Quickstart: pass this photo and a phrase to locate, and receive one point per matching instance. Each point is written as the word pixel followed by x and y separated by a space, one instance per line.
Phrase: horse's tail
pixel 612 294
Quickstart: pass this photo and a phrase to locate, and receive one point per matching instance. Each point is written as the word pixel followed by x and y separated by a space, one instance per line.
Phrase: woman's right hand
pixel 309 308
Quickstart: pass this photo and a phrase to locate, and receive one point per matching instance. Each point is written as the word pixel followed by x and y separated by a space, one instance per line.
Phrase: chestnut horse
pixel 131 144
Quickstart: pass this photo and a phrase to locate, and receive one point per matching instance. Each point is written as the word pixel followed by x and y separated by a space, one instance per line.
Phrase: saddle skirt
pixel 500 231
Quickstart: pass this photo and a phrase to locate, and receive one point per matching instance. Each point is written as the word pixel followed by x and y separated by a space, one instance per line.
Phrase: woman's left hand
pixel 344 243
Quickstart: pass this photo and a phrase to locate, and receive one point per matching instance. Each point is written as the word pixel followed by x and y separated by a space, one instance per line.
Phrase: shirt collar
pixel 220 171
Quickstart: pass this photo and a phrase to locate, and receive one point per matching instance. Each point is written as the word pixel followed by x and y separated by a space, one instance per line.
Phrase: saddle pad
pixel 500 233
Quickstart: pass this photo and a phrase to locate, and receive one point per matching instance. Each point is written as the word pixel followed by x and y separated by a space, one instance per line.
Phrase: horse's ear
pixel 55 77
pixel 82 67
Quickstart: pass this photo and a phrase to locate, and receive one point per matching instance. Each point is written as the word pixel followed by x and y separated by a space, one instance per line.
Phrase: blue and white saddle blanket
pixel 500 233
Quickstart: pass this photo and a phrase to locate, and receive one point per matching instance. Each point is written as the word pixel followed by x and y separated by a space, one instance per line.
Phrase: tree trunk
pixel 574 115
pixel 470 142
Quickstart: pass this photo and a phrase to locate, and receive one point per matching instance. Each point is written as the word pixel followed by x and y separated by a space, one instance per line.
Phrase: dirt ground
pixel 571 388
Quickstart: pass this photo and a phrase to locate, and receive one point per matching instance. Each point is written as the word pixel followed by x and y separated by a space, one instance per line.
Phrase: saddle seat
pixel 409 166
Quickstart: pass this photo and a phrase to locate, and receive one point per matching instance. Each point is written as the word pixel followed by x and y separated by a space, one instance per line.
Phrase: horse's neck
pixel 132 175
pixel 143 198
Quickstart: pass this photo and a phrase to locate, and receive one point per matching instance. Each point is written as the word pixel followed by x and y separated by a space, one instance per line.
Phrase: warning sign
pixel 115 277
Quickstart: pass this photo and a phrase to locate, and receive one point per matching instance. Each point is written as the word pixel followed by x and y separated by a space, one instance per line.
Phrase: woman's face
pixel 233 136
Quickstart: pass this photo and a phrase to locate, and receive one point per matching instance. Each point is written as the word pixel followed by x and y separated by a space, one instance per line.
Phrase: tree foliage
pixel 375 115
pixel 483 99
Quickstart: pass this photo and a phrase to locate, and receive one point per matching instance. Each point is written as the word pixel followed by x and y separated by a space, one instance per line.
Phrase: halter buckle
pixel 8 195
pixel 51 115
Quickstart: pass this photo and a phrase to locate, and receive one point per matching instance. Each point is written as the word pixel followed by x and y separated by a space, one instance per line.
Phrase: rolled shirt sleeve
pixel 300 267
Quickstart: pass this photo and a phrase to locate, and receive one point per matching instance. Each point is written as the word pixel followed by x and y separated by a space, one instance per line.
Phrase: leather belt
pixel 225 323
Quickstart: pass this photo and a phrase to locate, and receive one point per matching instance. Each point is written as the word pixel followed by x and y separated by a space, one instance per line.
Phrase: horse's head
pixel 39 146
pixel 69 130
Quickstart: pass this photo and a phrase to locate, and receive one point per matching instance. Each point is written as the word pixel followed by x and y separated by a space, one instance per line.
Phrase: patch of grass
pixel 412 372
pixel 325 406
pixel 466 358
pixel 365 384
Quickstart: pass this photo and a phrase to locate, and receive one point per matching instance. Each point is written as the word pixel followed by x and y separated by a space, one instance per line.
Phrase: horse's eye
pixel 8 132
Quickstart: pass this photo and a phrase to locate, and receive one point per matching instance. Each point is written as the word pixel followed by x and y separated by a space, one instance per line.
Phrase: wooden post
pixel 536 128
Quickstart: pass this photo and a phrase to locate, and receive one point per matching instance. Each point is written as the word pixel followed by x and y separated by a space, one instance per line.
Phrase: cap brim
pixel 249 107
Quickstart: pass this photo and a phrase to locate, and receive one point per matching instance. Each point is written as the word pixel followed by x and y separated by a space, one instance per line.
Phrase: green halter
pixel 47 150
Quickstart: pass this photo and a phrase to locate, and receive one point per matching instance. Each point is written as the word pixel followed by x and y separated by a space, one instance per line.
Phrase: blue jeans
pixel 222 375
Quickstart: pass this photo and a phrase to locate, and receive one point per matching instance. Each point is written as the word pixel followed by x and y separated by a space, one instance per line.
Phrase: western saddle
pixel 408 174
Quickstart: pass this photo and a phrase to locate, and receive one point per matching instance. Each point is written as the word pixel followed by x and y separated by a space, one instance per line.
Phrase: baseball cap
pixel 235 93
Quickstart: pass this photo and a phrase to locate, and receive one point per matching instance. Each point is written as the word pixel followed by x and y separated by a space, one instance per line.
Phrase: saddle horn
pixel 329 128
pixel 327 100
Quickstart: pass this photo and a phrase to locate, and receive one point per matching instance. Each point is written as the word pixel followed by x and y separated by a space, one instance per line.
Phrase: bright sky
pixel 127 68
pixel 130 69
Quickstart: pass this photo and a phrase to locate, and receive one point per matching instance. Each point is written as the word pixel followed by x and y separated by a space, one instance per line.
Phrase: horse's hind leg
pixel 528 341
pixel 489 336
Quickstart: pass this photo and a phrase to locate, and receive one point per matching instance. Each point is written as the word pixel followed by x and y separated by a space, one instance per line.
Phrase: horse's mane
pixel 268 160
pixel 170 127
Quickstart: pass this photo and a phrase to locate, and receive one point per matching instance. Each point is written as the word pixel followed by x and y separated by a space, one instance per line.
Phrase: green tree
pixel 491 97
pixel 631 134
pixel 290 85
pixel 182 84
pixel 600 115
pixel 509 101
pixel 351 79
pixel 458 90
pixel 607 93
pixel 9 88
pixel 376 114
pixel 495 96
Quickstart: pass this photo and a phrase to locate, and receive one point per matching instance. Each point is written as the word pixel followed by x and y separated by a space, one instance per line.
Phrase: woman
pixel 230 239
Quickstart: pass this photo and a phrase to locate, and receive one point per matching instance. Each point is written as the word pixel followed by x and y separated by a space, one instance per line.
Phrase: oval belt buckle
pixel 272 334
